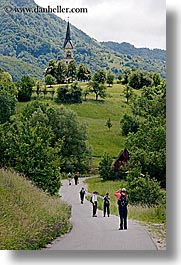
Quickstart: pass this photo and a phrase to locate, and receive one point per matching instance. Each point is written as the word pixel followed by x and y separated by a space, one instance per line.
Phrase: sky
pixel 139 22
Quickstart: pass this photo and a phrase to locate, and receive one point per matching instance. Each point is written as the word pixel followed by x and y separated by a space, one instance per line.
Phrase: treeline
pixel 145 131
pixel 42 141
pixel 60 73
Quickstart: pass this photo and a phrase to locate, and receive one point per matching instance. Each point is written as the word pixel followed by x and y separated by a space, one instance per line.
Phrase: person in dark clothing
pixel 82 194
pixel 106 204
pixel 122 207
pixel 76 178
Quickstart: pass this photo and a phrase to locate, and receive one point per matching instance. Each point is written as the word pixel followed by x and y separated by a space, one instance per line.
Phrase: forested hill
pixel 35 38
pixel 129 49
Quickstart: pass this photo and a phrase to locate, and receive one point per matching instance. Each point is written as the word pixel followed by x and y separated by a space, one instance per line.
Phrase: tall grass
pixel 29 218
pixel 155 214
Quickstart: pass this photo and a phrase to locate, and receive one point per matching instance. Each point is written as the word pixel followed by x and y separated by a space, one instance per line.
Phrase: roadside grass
pixel 29 218
pixel 155 214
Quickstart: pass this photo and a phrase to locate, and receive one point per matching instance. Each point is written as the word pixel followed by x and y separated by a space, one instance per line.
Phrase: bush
pixel 143 190
pixel 7 106
pixel 69 95
pixel 105 167
pixel 25 88
pixel 129 124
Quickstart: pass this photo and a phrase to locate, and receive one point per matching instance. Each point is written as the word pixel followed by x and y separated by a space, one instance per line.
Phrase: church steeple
pixel 68 46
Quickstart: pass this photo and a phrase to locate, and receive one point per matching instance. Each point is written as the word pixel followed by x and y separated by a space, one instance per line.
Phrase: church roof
pixel 68 37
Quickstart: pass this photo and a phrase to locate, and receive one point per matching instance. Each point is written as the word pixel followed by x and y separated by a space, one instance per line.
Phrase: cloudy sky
pixel 139 22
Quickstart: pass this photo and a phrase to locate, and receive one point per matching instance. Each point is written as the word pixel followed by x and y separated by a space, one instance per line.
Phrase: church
pixel 68 46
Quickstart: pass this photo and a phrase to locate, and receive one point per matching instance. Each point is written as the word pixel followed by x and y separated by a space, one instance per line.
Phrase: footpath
pixel 97 233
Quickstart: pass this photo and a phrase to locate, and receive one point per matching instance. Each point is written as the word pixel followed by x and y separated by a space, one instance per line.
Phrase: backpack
pixel 123 201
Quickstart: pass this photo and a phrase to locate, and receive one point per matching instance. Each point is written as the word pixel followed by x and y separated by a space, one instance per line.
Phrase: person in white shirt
pixel 94 203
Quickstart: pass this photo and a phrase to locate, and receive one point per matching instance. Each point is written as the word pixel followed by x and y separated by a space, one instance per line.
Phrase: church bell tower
pixel 68 47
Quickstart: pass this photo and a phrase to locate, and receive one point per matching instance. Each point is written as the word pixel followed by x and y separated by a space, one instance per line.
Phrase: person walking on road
pixel 106 199
pixel 82 194
pixel 122 207
pixel 94 203
pixel 69 177
pixel 76 178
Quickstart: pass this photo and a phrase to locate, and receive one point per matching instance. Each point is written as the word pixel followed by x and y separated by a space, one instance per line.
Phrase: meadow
pixel 95 114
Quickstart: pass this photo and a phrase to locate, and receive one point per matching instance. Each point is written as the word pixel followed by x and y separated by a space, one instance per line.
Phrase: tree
pixel 120 76
pixel 26 146
pixel 52 68
pixel 129 124
pixel 85 93
pixel 138 79
pixel 44 91
pixel 151 102
pixel 110 78
pixel 76 154
pixel 6 84
pixel 84 73
pixel 38 88
pixel 7 106
pixel 50 80
pixel 69 94
pixel 108 123
pixel 105 167
pixel 148 148
pixel 61 74
pixel 143 189
pixel 25 88
pixel 97 88
pixel 125 76
pixel 100 77
pixel 128 92
pixel 72 71
pixel 135 80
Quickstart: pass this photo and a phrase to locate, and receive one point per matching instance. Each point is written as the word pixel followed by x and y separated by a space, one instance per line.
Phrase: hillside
pixel 29 217
pixel 35 38
pixel 129 49
pixel 141 58
pixel 17 68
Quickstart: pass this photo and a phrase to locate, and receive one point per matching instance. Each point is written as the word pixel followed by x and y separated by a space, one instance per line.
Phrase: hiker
pixel 76 178
pixel 94 203
pixel 69 177
pixel 82 194
pixel 122 207
pixel 106 199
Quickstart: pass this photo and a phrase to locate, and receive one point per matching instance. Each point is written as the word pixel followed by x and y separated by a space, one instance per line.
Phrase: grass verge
pixel 29 218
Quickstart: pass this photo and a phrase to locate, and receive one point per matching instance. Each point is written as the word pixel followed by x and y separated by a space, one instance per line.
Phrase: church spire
pixel 68 47
pixel 67 37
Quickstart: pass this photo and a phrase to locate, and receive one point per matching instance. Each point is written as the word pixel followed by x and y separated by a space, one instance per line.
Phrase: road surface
pixel 97 233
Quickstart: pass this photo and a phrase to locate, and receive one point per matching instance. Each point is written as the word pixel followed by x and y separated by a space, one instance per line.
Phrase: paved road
pixel 97 233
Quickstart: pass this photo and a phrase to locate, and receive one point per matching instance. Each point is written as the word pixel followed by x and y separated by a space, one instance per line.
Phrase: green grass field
pixel 95 114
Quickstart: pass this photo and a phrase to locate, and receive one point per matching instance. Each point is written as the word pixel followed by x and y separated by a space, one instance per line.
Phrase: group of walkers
pixel 76 178
pixel 122 206
pixel 120 194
